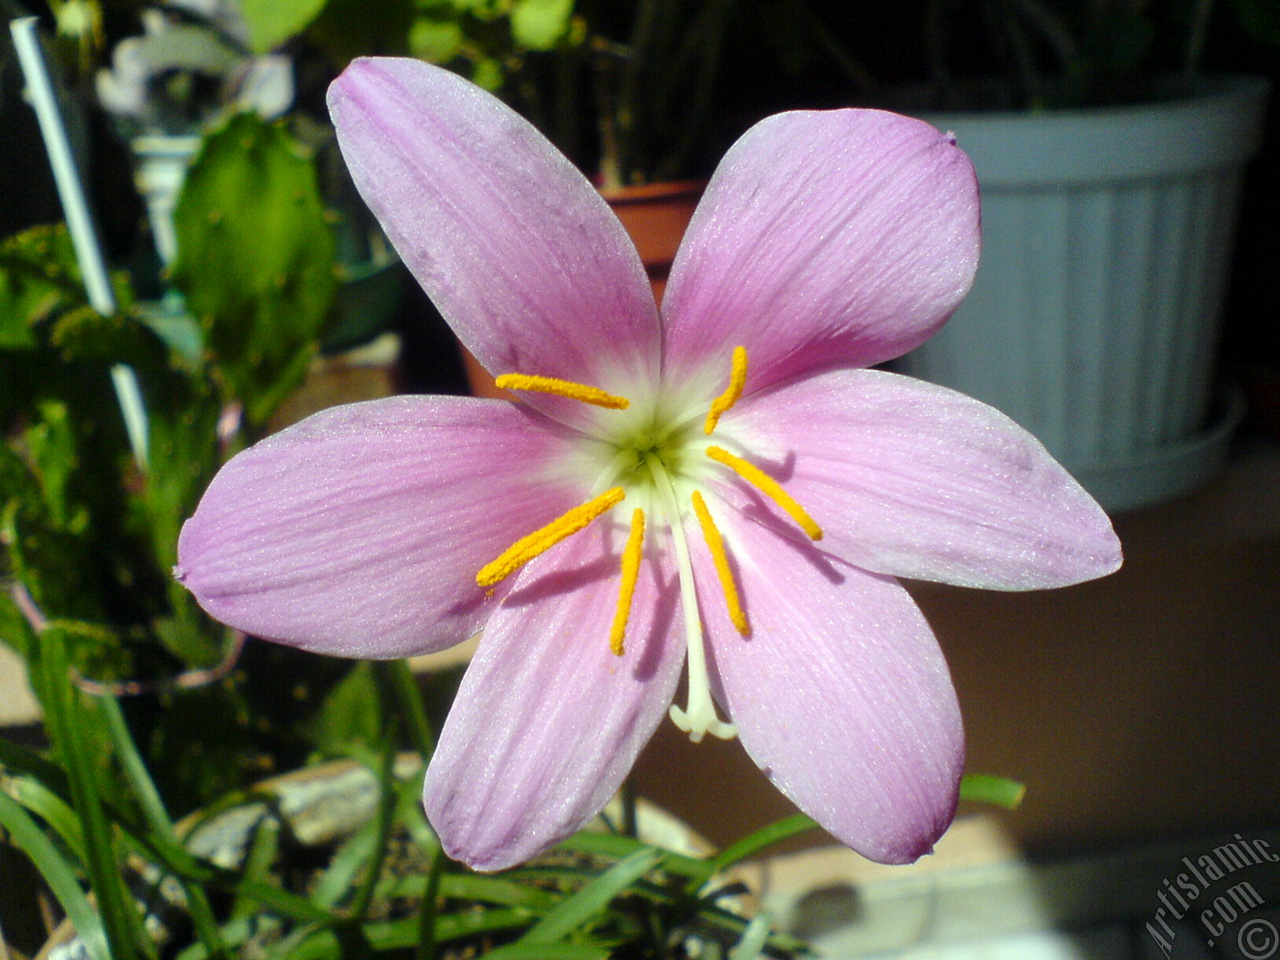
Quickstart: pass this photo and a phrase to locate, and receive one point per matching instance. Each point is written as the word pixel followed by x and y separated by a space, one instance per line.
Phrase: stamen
pixel 542 540
pixel 715 543
pixel 631 554
pixel 768 486
pixel 699 717
pixel 737 377
pixel 562 388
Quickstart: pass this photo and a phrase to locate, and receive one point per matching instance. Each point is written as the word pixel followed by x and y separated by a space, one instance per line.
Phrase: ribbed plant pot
pixel 655 215
pixel 1094 319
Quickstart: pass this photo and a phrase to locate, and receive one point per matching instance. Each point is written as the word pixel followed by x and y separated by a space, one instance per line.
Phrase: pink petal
pixel 548 721
pixel 521 255
pixel 359 531
pixel 841 694
pixel 915 480
pixel 825 238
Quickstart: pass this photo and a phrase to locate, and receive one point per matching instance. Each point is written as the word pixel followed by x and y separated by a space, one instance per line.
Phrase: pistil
pixel 699 716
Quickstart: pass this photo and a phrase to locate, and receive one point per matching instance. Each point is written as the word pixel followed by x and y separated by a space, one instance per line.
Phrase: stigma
pixel 656 467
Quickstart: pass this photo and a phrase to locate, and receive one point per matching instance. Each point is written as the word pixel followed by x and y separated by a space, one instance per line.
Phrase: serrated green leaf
pixel 272 22
pixel 540 24
pixel 256 259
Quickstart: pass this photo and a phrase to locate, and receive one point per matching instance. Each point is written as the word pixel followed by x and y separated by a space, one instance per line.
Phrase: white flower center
pixel 658 464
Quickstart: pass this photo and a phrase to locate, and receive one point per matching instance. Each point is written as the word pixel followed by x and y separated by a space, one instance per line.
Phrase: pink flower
pixel 724 485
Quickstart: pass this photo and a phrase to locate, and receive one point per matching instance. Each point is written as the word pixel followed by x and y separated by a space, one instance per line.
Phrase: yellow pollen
pixel 562 388
pixel 737 377
pixel 542 540
pixel 715 543
pixel 768 486
pixel 631 554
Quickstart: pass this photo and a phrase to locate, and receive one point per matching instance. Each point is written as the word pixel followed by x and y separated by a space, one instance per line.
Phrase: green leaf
pixel 753 843
pixel 272 22
pixel 38 279
pixel 540 24
pixel 593 898
pixel 256 259
pixel 50 808
pixel 75 734
pixel 988 788
pixel 58 872
pixel 549 951
pixel 435 40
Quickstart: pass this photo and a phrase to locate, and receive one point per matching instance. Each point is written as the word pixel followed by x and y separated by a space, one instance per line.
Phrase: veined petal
pixel 834 238
pixel 841 694
pixel 359 531
pixel 548 721
pixel 522 256
pixel 915 480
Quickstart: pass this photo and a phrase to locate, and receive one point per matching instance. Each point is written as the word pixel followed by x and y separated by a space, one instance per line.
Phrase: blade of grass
pixel 69 726
pixel 429 907
pixel 618 846
pixel 50 808
pixel 58 873
pixel 157 818
pixel 548 951
pixel 753 843
pixel 989 788
pixel 19 759
pixel 593 898
pixel 399 678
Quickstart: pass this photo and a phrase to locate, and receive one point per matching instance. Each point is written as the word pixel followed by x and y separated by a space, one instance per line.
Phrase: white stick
pixel 93 268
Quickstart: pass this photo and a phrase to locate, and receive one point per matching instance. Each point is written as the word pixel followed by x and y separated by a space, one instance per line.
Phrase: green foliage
pixel 272 22
pixel 256 262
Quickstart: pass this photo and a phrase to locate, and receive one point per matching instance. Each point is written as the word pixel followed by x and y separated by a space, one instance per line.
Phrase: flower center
pixel 658 465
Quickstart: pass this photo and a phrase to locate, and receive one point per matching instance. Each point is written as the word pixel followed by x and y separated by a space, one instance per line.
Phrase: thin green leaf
pixel 752 844
pixel 382 823
pixel 355 855
pixel 401 934
pixel 593 898
pixel 59 874
pixel 618 846
pixel 157 817
pixel 263 849
pixel 548 951
pixel 18 759
pixel 50 808
pixel 70 727
pixel 989 788
pixel 404 687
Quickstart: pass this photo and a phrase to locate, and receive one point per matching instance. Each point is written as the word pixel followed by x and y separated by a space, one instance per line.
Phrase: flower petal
pixel 548 721
pixel 915 480
pixel 844 237
pixel 359 531
pixel 522 256
pixel 841 694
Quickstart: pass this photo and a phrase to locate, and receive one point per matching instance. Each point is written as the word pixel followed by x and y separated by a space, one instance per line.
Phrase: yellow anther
pixel 715 543
pixel 737 378
pixel 631 554
pixel 768 486
pixel 542 540
pixel 562 388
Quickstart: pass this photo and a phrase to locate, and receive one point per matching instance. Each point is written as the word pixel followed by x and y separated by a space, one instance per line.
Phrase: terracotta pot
pixel 655 215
